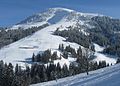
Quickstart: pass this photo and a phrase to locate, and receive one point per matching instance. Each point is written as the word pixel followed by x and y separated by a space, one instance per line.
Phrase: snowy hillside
pixel 42 39
pixel 109 76
pixel 21 51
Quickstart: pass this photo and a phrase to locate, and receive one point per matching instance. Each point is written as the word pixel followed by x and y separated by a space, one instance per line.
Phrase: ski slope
pixel 109 76
pixel 21 51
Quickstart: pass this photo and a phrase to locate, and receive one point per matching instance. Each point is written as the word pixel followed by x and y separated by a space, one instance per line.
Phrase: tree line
pixel 8 36
pixel 40 73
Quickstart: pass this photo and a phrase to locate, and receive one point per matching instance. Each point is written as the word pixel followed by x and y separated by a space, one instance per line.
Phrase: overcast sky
pixel 13 11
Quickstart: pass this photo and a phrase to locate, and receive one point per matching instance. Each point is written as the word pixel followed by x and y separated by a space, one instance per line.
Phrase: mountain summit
pixel 54 15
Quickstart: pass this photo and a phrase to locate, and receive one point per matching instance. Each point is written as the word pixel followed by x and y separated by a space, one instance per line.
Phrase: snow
pixel 26 26
pixel 51 14
pixel 109 76
pixel 21 51
pixel 62 62
pixel 70 59
pixel 102 57
pixel 98 48
pixel 60 8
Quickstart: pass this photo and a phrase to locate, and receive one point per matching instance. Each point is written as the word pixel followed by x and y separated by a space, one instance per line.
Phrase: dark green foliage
pixel 92 47
pixel 61 47
pixel 17 69
pixel 65 71
pixel 9 77
pixel 102 64
pixel 33 57
pixel 74 35
pixel 106 33
pixel 79 52
pixel 113 50
pixel 71 50
pixel 65 54
pixel 54 56
pixel 45 57
pixel 74 68
pixel 38 58
pixel 118 61
pixel 93 66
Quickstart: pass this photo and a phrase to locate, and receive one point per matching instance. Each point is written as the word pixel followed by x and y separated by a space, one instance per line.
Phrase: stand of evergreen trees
pixel 106 34
pixel 74 35
pixel 54 72
pixel 40 73
pixel 45 57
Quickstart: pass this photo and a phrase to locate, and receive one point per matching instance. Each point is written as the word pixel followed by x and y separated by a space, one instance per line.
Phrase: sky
pixel 14 11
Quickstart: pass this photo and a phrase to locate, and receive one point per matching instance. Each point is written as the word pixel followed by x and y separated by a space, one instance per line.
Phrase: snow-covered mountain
pixel 54 15
pixel 21 51
pixel 44 39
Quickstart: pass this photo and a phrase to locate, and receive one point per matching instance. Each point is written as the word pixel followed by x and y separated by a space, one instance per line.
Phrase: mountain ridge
pixel 51 12
pixel 52 16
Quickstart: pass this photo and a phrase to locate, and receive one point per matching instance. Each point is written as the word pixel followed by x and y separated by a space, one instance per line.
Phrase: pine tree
pixel 79 52
pixel 65 70
pixel 16 69
pixel 65 55
pixel 33 57
pixel 38 58
pixel 61 47
pixel 118 61
pixel 54 56
pixel 1 72
pixel 46 56
pixel 58 69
